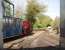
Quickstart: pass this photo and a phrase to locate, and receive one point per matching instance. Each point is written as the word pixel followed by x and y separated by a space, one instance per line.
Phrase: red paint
pixel 26 26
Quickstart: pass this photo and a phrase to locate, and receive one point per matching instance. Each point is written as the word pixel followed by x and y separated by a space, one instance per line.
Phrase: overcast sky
pixel 53 6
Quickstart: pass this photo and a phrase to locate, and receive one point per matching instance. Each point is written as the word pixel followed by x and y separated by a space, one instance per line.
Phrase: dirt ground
pixel 38 39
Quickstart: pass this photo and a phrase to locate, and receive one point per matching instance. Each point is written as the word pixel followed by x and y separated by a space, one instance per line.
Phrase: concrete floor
pixel 38 39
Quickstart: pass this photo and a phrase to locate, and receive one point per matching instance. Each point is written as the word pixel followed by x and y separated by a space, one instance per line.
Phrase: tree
pixel 33 9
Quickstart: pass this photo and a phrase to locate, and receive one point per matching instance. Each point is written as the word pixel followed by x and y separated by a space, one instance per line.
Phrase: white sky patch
pixel 20 4
pixel 53 8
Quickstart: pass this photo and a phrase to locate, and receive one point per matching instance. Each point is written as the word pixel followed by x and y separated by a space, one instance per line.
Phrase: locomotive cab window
pixel 8 8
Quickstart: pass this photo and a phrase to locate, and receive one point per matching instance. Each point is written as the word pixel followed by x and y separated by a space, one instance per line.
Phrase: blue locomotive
pixel 11 24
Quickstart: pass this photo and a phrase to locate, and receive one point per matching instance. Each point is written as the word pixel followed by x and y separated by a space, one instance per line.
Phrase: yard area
pixel 24 17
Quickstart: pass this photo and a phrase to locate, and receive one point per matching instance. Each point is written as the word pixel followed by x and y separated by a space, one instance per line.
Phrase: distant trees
pixel 42 21
pixel 18 12
pixel 56 24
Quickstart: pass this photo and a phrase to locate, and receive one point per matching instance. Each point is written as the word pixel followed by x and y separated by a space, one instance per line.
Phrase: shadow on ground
pixel 39 48
pixel 17 37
